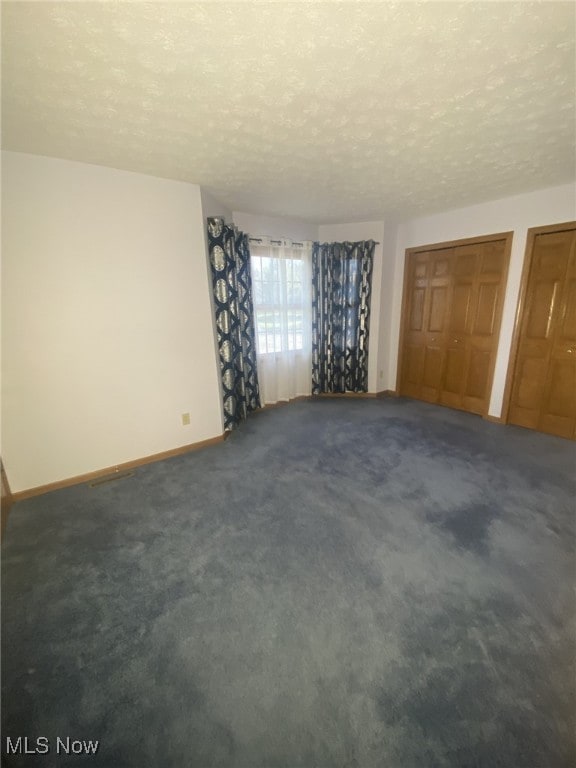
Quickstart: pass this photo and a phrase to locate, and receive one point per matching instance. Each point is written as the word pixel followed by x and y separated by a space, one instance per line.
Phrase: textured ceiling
pixel 325 110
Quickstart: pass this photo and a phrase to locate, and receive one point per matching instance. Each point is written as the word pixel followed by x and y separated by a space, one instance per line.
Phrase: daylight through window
pixel 281 293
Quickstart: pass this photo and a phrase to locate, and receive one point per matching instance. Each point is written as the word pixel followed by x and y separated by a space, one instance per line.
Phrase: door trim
pixel 507 237
pixel 521 304
pixel 461 241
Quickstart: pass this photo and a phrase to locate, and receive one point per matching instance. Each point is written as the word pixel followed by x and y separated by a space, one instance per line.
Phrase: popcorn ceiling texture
pixel 326 111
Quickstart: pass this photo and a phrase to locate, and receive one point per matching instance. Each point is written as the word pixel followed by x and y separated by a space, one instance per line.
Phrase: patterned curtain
pixel 232 284
pixel 341 281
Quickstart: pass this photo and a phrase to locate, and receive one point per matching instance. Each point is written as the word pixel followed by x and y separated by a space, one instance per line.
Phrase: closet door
pixel 479 279
pixel 464 269
pixel 425 313
pixel 544 383
pixel 485 320
pixel 451 320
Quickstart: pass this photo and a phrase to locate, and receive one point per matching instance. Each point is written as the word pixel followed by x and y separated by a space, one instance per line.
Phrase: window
pixel 281 292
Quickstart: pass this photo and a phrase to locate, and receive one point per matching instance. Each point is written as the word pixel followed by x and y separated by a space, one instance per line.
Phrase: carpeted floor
pixel 341 584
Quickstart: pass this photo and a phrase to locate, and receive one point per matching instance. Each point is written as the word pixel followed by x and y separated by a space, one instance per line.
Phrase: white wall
pixel 212 207
pixel 107 324
pixel 517 214
pixel 386 350
pixel 366 230
pixel 277 227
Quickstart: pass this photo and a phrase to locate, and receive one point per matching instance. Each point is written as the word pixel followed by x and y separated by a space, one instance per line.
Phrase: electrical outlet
pixel 185 419
pixel 381 374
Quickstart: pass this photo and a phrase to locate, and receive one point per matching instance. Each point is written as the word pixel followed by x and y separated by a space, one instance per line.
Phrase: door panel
pixel 441 264
pixel 543 392
pixel 559 409
pixel 533 372
pixel 492 258
pixel 458 323
pixel 432 373
pixel 455 362
pixel 477 379
pixel 561 395
pixel 428 293
pixel 474 323
pixel 438 298
pixel 417 314
pixel 466 259
pixel 460 307
pixel 412 370
pixel 485 314
pixel 483 324
pixel 568 323
pixel 541 309
pixel 452 383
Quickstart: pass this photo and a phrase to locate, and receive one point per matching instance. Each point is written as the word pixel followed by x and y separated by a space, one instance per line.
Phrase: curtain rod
pixel 376 242
pixel 274 242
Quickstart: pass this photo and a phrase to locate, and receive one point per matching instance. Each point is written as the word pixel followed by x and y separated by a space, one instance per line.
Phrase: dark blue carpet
pixel 342 584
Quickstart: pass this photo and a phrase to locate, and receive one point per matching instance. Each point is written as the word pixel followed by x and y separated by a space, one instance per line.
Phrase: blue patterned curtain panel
pixel 341 282
pixel 232 284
